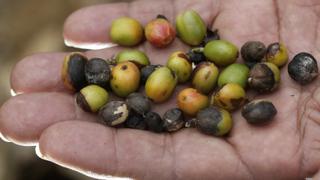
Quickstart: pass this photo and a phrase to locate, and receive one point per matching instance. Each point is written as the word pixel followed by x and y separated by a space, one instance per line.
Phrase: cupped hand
pixel 46 115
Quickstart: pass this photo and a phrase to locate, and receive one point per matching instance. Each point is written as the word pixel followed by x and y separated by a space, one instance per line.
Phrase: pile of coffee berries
pixel 216 84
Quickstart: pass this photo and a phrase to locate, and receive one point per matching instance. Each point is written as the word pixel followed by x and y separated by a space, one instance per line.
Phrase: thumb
pixel 88 27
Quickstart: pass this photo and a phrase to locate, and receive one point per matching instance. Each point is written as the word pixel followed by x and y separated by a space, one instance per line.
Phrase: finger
pixel 297 18
pixel 43 75
pixel 91 147
pixel 39 72
pixel 240 21
pixel 30 75
pixel 316 176
pixel 90 26
pixel 24 117
pixel 42 72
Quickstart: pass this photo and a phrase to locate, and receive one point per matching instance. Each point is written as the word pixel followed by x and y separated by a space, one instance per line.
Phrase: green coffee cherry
pixel 205 77
pixel 221 52
pixel 91 98
pixel 135 56
pixel 264 77
pixel 161 84
pixel 190 27
pixel 214 121
pixel 234 73
pixel 73 71
pixel 126 31
pixel 179 64
pixel 230 97
pixel 125 79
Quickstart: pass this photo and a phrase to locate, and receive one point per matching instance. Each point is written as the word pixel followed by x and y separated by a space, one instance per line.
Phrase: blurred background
pixel 27 27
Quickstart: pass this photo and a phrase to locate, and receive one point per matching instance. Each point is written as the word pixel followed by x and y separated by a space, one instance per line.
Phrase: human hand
pixel 288 148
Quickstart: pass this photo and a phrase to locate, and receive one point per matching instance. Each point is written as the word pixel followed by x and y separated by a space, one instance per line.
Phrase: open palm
pixel 287 148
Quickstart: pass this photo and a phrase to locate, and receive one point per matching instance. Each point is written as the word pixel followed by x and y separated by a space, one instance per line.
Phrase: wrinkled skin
pixel 288 148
